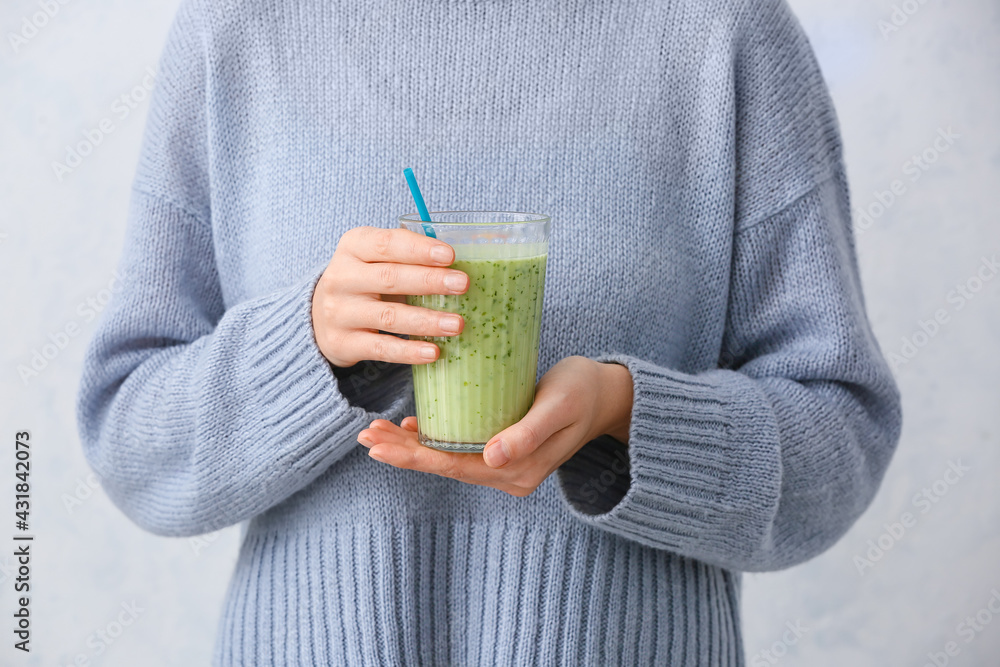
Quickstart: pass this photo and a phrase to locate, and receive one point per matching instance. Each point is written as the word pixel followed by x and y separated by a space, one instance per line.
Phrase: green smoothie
pixel 484 380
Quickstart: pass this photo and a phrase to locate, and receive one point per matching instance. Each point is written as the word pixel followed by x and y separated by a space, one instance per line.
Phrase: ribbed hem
pixel 440 592
pixel 704 470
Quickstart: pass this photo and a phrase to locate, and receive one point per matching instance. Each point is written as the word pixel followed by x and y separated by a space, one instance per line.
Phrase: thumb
pixel 521 439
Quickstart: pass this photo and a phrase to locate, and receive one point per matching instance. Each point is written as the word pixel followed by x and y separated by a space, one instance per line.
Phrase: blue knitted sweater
pixel 689 156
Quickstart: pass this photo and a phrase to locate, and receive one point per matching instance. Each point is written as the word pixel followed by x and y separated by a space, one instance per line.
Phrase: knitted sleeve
pixel 767 460
pixel 195 416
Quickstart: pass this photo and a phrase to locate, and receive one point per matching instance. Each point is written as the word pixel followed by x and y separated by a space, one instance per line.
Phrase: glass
pixel 484 380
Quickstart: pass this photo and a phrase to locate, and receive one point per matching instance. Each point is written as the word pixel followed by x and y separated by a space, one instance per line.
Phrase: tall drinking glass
pixel 484 380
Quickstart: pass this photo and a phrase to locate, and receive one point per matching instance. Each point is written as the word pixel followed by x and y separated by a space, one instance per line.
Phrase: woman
pixel 712 399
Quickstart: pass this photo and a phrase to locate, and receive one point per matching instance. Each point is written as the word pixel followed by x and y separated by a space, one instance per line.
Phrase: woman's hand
pixel 362 292
pixel 576 401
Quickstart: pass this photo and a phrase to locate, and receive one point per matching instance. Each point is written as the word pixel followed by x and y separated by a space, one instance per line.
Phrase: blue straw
pixel 411 180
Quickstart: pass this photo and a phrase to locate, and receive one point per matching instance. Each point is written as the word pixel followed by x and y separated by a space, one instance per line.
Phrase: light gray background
pixel 59 242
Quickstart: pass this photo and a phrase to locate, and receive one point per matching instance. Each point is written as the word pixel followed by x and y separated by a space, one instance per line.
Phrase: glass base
pixel 444 446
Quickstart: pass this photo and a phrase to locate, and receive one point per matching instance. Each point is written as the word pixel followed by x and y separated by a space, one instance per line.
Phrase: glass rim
pixel 532 218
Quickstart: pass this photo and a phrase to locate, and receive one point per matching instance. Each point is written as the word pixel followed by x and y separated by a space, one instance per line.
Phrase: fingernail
pixel 455 282
pixel 451 324
pixel 441 254
pixel 375 455
pixel 496 454
pixel 364 440
pixel 428 352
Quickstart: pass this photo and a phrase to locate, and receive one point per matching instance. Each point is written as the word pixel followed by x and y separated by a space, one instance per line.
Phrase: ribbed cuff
pixel 299 422
pixel 703 465
pixel 294 383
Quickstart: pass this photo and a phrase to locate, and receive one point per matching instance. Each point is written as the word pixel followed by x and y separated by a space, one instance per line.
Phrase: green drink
pixel 484 380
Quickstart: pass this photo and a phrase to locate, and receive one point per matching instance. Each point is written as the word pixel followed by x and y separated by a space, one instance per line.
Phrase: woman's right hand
pixel 362 292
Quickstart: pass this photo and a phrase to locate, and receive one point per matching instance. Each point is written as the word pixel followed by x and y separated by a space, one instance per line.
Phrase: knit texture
pixel 689 156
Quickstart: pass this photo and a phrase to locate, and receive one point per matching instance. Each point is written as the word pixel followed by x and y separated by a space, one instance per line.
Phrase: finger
pixel 467 469
pixel 383 425
pixel 409 423
pixel 387 434
pixel 373 244
pixel 385 347
pixel 459 466
pixel 398 278
pixel 400 318
pixel 545 418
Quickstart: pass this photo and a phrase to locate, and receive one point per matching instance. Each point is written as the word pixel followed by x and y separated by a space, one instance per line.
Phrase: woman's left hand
pixel 576 401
